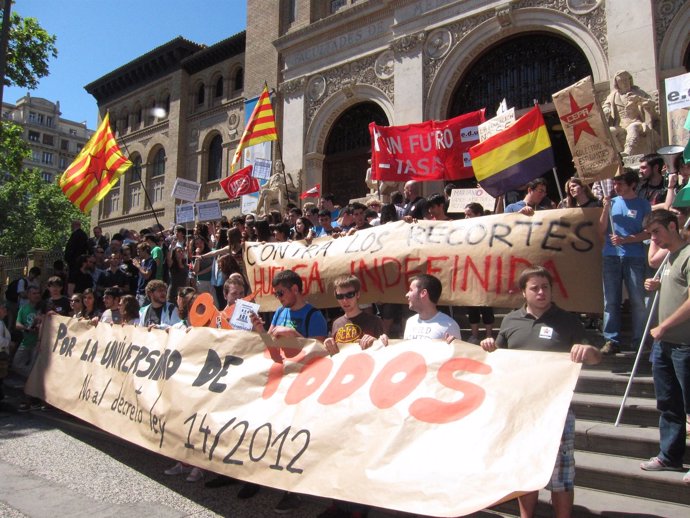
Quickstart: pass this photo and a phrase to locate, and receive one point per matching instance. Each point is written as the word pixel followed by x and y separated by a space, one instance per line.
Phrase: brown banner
pixel 589 139
pixel 478 260
pixel 419 426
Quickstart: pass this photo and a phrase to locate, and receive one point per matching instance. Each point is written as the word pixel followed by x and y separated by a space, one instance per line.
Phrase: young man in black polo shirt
pixel 540 325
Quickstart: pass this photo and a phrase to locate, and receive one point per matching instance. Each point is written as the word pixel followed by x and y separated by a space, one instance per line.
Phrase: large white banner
pixel 419 426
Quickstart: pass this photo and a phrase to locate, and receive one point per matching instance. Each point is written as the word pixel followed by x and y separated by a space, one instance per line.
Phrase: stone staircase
pixel 609 481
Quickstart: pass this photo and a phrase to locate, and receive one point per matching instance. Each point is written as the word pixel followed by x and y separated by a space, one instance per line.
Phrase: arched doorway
pixel 524 69
pixel 348 147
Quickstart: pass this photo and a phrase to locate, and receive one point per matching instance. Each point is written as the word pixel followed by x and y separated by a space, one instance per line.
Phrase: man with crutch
pixel 671 349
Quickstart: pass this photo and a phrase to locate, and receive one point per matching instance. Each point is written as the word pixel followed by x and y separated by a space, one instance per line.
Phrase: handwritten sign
pixel 460 198
pixel 237 403
pixel 478 260
pixel 496 124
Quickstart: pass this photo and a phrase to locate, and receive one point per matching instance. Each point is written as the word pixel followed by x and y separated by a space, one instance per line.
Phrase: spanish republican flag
pixel 261 127
pixel 96 169
pixel 515 156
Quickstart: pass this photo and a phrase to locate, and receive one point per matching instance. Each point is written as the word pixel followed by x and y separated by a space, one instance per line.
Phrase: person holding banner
pixel 540 325
pixel 533 200
pixel 578 195
pixel 671 349
pixel 428 323
pixel 355 326
pixel 294 318
pixel 160 313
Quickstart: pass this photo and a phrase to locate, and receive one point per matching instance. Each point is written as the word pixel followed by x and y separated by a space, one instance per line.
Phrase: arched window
pixel 200 95
pixel 215 159
pixel 218 91
pixel 158 164
pixel 136 117
pixel 238 83
pixel 133 189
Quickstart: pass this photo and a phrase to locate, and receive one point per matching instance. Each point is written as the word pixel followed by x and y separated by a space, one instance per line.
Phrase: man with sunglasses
pixel 296 317
pixel 355 326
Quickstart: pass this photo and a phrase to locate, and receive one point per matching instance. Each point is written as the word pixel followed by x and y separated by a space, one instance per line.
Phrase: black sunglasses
pixel 278 293
pixel 348 295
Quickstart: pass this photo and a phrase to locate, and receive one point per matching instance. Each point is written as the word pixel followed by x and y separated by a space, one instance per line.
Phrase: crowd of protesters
pixel 150 278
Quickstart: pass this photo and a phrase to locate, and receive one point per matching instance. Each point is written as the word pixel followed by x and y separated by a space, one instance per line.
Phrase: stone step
pixel 614 384
pixel 591 502
pixel 624 440
pixel 623 475
pixel 604 408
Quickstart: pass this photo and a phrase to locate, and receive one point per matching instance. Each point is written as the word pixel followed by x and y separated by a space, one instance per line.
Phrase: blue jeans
pixel 616 271
pixel 671 370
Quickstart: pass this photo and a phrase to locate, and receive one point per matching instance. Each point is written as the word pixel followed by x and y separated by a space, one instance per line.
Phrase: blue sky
pixel 95 37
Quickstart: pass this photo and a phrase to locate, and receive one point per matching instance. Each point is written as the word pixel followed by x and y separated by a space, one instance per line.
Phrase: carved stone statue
pixel 631 113
pixel 377 187
pixel 275 190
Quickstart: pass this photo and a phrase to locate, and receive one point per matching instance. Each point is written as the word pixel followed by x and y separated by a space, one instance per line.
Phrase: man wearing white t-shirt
pixel 429 322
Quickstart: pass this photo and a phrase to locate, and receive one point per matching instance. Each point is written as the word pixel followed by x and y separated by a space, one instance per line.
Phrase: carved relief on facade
pixel 457 31
pixel 385 65
pixel 233 120
pixel 316 87
pixel 664 12
pixel 590 13
pixel 408 43
pixel 293 86
pixel 438 43
pixel 345 77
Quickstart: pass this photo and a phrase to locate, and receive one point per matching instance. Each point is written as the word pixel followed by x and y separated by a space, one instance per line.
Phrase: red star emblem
pixel 577 118
pixel 97 166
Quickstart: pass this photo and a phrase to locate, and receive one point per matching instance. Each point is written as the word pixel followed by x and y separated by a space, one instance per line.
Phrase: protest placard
pixel 184 213
pixel 459 198
pixel 677 107
pixel 418 426
pixel 186 190
pixel 208 210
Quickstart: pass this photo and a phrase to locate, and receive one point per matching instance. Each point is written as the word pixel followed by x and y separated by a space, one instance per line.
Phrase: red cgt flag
pixel 240 183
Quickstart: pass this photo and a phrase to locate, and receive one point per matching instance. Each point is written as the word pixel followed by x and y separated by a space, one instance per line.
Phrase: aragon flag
pixel 96 169
pixel 261 126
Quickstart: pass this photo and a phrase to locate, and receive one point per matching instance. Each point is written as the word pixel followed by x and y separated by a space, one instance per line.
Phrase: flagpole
pixel 280 155
pixel 146 194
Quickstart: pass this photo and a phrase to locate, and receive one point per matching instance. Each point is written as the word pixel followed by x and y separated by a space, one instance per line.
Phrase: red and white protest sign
pixel 431 150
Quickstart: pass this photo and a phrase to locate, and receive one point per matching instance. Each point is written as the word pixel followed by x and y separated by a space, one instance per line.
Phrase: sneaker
pixel 610 348
pixel 473 340
pixel 195 475
pixel 288 503
pixel 220 481
pixel 177 469
pixel 248 490
pixel 656 464
pixel 23 407
pixel 686 478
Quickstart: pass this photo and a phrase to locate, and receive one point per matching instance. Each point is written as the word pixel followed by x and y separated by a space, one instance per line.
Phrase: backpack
pixel 12 293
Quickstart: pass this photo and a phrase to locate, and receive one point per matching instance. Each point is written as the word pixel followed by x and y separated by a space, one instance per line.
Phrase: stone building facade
pixel 54 141
pixel 337 65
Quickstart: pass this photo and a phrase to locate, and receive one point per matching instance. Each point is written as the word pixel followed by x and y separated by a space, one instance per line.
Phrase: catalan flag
pixel 261 126
pixel 96 169
pixel 515 156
